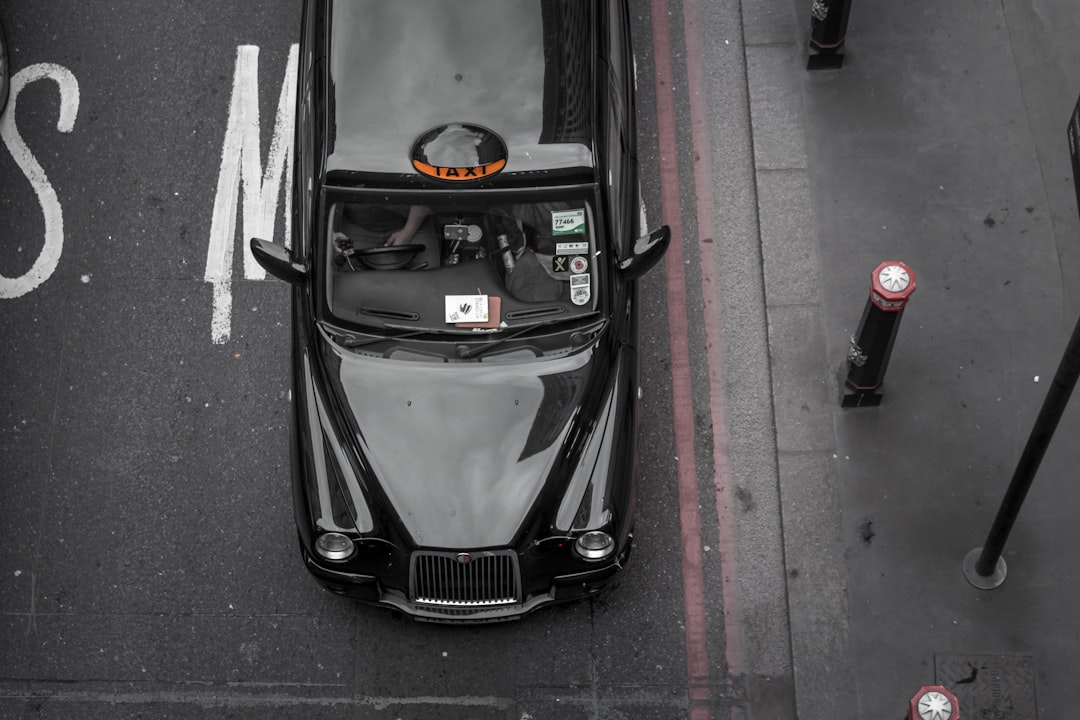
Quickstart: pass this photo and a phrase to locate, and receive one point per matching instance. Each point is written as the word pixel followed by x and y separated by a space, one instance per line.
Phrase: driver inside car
pixel 362 227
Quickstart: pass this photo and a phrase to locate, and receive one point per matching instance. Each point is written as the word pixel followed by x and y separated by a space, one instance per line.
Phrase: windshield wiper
pixel 578 338
pixel 348 339
pixel 354 343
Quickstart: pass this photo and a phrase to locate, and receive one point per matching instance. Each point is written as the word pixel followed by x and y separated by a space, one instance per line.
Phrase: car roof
pixel 519 69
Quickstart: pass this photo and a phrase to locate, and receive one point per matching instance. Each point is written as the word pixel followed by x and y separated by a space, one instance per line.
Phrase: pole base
pixel 987 582
pixel 825 61
pixel 851 396
pixel 861 399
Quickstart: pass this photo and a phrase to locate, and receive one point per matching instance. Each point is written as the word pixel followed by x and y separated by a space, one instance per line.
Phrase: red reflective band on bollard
pixel 828 27
pixel 933 702
pixel 828 24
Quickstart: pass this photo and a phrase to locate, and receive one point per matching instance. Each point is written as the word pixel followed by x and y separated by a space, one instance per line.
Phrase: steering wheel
pixel 389 257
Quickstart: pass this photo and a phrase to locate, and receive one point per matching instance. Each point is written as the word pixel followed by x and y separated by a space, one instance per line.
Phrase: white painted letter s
pixel 49 257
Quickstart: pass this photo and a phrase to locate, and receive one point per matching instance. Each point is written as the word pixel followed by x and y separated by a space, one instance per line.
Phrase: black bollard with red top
pixel 891 284
pixel 828 28
pixel 933 702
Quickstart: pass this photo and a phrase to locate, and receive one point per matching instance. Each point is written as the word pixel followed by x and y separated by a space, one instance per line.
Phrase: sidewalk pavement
pixel 941 143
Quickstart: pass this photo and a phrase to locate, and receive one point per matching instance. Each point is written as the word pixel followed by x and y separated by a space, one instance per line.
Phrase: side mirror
pixel 275 260
pixel 647 251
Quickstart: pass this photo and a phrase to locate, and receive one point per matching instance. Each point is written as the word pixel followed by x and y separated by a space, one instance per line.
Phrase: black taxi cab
pixel 465 248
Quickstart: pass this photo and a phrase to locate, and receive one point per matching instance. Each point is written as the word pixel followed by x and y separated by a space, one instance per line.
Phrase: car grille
pixel 441 581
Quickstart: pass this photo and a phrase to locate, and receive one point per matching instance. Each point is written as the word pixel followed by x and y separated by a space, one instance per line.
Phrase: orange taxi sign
pixel 459 152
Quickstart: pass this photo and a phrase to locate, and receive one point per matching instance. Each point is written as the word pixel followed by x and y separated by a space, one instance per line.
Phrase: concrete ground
pixel 941 143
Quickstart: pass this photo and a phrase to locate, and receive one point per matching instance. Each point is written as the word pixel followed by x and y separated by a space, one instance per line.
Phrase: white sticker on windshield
pixel 567 222
pixel 580 290
pixel 575 248
pixel 466 308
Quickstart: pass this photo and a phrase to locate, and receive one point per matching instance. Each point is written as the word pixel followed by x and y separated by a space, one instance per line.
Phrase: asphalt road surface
pixel 148 560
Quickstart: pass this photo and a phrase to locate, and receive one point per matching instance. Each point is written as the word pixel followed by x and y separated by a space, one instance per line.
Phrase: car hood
pixel 464 451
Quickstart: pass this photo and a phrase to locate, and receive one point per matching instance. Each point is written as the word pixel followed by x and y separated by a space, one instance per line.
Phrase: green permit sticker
pixel 568 222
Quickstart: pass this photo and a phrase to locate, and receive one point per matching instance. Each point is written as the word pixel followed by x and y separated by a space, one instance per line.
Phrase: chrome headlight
pixel 334 546
pixel 594 545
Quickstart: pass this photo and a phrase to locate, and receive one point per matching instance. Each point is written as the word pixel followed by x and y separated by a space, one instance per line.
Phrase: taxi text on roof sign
pixel 476 172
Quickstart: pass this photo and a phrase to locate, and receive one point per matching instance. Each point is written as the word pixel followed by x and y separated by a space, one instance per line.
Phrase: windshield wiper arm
pixel 354 343
pixel 465 351
pixel 350 340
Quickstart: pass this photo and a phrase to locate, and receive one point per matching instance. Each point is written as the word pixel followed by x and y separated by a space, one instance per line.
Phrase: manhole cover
pixel 990 687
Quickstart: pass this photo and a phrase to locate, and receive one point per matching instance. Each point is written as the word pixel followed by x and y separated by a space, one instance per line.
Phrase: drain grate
pixel 990 687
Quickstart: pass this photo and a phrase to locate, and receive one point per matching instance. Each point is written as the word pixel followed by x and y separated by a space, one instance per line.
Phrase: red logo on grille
pixel 464 558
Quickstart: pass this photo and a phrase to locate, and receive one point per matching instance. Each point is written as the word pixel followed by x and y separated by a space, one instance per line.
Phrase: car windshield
pixel 462 263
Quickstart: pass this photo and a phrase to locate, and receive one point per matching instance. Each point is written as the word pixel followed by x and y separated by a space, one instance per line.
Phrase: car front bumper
pixel 370 590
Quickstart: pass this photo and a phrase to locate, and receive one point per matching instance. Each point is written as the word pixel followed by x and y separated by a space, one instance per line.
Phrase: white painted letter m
pixel 242 172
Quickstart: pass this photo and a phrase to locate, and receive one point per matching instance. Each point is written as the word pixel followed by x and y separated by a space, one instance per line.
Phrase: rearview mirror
pixel 275 260
pixel 646 252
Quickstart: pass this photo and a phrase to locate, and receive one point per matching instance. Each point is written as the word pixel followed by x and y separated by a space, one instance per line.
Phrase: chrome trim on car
pixel 442 581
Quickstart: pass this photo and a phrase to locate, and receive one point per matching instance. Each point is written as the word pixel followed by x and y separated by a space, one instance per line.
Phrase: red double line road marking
pixel 697 654
pixel 714 343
